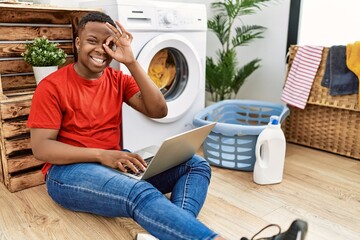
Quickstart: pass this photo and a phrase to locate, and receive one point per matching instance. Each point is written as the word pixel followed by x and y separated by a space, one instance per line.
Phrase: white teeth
pixel 98 60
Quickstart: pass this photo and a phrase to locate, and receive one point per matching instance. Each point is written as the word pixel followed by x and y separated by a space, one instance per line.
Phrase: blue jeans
pixel 94 188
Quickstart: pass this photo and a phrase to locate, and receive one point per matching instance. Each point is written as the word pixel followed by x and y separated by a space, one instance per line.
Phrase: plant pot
pixel 41 72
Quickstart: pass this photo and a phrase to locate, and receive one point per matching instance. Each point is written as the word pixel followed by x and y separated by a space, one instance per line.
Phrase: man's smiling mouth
pixel 98 60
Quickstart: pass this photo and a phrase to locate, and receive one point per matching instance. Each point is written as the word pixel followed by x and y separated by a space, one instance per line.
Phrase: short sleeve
pixel 45 110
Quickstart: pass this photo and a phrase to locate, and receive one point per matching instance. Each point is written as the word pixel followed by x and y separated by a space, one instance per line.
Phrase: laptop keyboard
pixel 140 172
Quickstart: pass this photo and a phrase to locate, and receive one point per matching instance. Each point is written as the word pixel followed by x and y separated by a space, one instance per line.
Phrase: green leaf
pixel 42 52
pixel 246 34
pixel 243 73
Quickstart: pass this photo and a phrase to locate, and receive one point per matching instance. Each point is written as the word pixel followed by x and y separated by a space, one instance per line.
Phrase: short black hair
pixel 94 16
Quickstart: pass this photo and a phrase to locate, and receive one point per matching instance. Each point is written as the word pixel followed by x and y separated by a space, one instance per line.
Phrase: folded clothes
pixel 353 60
pixel 325 82
pixel 353 57
pixel 301 75
pixel 342 81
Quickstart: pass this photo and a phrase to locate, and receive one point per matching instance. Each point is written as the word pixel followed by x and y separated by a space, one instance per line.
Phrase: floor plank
pixel 319 187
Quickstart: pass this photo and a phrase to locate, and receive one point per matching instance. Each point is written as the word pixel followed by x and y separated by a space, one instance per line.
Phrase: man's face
pixel 92 58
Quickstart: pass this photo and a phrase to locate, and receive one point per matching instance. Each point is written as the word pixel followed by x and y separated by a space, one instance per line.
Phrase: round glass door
pixel 174 66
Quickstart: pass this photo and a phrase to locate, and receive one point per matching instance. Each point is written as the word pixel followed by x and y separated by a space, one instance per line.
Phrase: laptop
pixel 172 152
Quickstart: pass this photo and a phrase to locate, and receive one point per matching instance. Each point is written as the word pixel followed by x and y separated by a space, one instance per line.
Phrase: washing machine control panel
pixel 176 19
pixel 153 15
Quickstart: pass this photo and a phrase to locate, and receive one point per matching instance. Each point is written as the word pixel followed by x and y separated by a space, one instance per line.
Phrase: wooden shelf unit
pixel 18 25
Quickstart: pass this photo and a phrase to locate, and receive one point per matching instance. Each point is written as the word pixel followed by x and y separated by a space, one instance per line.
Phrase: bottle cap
pixel 274 120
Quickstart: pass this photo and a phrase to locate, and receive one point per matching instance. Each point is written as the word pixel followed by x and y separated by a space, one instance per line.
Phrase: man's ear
pixel 77 43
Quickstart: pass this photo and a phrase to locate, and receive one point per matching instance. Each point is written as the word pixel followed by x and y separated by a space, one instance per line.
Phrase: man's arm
pixel 149 101
pixel 46 148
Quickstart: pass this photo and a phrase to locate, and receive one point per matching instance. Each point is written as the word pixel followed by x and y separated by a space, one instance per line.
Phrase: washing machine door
pixel 175 67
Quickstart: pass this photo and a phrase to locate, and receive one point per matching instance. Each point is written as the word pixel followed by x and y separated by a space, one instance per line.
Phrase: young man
pixel 75 121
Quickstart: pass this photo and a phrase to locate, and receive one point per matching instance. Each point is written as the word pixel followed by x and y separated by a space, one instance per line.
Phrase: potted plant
pixel 223 76
pixel 44 56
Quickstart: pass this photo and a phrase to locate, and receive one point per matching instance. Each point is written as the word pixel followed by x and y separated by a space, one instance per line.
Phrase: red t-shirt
pixel 87 113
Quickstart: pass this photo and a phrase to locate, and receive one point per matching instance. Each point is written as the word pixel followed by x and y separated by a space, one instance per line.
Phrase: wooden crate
pixel 20 24
pixel 20 169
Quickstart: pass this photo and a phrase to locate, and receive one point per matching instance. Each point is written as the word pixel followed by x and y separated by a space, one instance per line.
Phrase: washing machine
pixel 170 44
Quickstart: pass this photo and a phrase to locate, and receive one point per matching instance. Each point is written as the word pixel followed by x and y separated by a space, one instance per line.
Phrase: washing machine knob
pixel 168 18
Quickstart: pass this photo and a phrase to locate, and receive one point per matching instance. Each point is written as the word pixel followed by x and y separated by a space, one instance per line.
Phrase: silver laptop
pixel 172 152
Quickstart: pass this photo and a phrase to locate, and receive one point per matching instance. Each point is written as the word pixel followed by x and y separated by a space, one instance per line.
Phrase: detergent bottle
pixel 270 154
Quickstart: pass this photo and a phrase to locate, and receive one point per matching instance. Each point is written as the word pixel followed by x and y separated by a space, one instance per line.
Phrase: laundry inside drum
pixel 169 71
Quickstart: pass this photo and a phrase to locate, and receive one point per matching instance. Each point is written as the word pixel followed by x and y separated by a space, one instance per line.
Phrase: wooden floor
pixel 319 187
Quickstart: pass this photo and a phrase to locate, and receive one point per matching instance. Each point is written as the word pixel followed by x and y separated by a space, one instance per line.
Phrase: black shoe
pixel 296 231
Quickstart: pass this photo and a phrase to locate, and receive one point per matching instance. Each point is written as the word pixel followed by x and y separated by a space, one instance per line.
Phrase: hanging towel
pixel 342 80
pixel 301 75
pixel 353 61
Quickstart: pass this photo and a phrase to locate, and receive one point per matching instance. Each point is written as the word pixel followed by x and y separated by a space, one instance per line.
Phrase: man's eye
pixel 91 41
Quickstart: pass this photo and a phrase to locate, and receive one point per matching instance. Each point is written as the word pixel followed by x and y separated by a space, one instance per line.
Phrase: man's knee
pixel 142 193
pixel 201 165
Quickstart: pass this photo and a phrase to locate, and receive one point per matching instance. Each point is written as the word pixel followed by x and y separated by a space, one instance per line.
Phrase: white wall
pixel 337 24
pixel 266 83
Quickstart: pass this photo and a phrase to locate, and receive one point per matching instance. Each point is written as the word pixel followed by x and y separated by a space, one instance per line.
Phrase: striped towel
pixel 301 76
